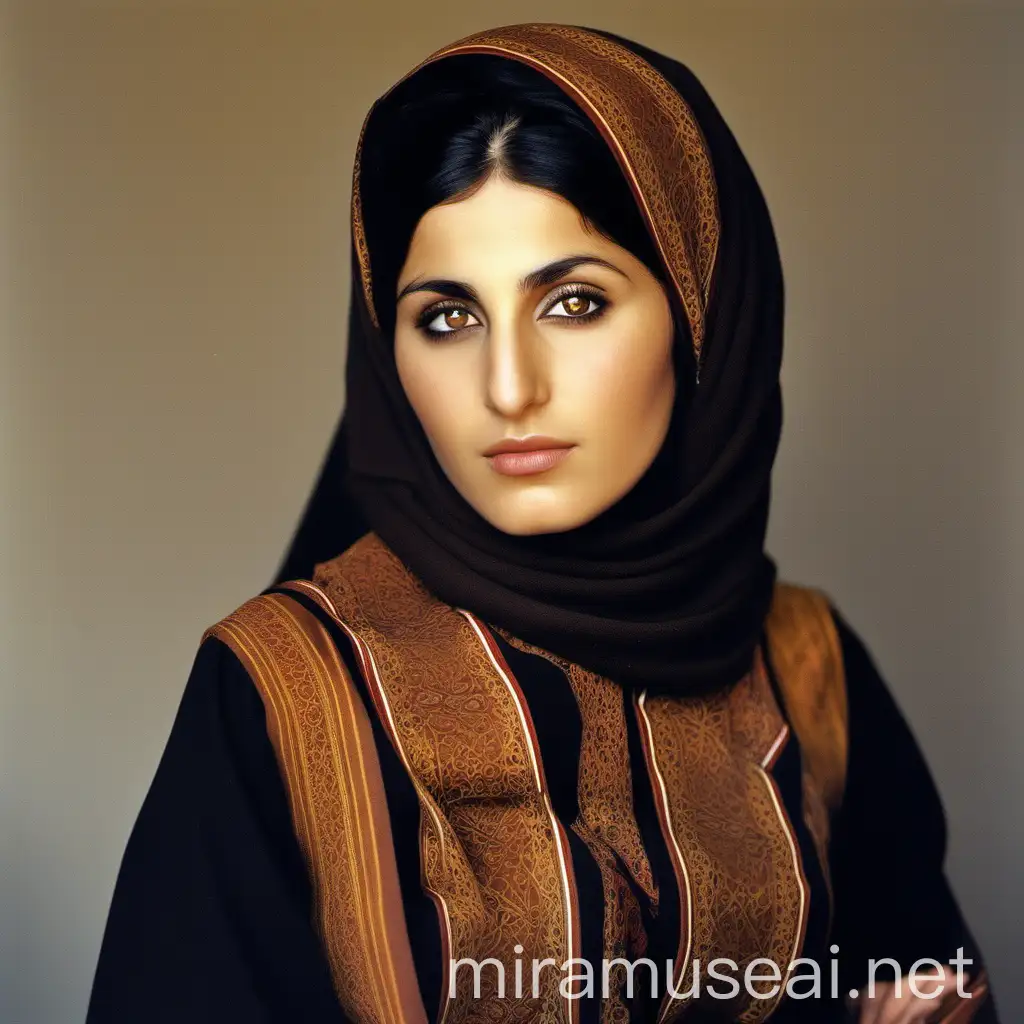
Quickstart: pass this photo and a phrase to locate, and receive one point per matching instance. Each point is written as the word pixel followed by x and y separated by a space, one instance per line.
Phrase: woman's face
pixel 515 323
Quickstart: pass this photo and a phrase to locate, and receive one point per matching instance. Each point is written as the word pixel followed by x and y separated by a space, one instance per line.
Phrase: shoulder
pixel 832 690
pixel 268 611
pixel 290 609
pixel 801 612
pixel 284 600
pixel 808 619
pixel 806 654
pixel 276 633
pixel 301 630
pixel 802 630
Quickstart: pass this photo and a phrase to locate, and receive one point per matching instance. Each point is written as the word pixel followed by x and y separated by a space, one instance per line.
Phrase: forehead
pixel 503 226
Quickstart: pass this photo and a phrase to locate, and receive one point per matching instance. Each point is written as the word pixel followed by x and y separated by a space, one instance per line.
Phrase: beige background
pixel 173 290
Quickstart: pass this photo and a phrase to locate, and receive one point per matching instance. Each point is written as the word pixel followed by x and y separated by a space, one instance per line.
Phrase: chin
pixel 532 529
pixel 528 522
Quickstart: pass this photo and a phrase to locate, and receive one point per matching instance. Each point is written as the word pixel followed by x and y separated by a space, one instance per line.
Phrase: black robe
pixel 211 918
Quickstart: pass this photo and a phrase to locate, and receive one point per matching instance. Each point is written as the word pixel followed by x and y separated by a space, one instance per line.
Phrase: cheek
pixel 437 386
pixel 629 382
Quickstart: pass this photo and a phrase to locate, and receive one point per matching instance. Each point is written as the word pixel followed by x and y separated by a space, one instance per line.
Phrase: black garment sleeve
pixel 211 915
pixel 892 897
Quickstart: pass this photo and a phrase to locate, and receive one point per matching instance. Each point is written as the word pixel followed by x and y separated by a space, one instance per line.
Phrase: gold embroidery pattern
pixel 738 860
pixel 359 243
pixel 607 820
pixel 491 851
pixel 605 779
pixel 490 846
pixel 435 833
pixel 322 739
pixel 651 131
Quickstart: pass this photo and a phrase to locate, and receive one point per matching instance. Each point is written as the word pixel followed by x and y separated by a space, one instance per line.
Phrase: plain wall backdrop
pixel 174 250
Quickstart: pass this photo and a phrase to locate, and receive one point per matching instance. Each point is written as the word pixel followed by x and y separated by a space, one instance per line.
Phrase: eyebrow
pixel 548 274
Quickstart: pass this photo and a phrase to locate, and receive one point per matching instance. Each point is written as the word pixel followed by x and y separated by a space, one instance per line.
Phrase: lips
pixel 527 455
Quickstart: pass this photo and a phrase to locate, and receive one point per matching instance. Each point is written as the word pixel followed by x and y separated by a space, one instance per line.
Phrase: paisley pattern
pixel 493 855
pixel 649 128
pixel 742 883
pixel 605 780
pixel 321 736
pixel 607 823
pixel 492 850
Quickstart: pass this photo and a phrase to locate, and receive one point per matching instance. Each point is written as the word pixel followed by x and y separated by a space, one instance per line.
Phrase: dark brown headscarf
pixel 670 594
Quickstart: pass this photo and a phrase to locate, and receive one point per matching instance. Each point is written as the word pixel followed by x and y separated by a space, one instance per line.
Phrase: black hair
pixel 456 122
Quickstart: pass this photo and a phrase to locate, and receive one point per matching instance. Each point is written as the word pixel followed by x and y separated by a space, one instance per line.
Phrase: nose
pixel 517 374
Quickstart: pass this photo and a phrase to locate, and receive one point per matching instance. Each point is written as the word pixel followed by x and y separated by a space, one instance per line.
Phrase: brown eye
pixel 574 305
pixel 456 318
pixel 450 320
pixel 577 306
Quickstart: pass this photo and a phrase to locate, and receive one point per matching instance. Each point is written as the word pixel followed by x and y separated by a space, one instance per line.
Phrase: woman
pixel 528 729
